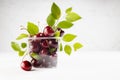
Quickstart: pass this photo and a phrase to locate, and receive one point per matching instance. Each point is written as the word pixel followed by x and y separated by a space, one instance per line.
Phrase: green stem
pixel 58 21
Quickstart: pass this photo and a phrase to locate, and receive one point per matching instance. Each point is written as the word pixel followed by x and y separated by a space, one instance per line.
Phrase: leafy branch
pixel 70 17
pixel 53 21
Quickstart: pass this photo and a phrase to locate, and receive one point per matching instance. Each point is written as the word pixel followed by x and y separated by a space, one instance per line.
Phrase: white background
pixel 98 31
pixel 99 28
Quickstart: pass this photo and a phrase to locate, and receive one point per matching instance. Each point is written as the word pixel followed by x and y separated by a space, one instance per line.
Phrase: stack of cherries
pixel 45 45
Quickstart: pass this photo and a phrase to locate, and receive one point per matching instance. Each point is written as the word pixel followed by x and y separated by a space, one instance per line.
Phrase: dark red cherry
pixel 35 46
pixel 61 33
pixel 48 31
pixel 45 43
pixel 44 51
pixel 36 63
pixel 26 65
pixel 53 43
pixel 40 35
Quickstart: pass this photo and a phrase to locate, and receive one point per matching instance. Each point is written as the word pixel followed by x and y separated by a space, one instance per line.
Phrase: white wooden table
pixel 78 66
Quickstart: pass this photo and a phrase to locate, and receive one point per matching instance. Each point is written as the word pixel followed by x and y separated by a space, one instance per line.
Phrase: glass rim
pixel 44 37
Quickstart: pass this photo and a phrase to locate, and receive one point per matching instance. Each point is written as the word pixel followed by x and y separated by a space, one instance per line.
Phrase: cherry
pixel 53 43
pixel 48 31
pixel 35 46
pixel 44 43
pixel 61 31
pixel 44 51
pixel 40 35
pixel 26 65
pixel 36 63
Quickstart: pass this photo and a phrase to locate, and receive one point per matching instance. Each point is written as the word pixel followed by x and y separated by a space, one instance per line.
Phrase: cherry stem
pixel 22 28
pixel 58 21
pixel 40 25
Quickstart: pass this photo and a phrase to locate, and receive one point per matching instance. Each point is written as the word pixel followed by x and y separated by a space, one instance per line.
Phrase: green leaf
pixel 32 28
pixel 50 20
pixel 57 34
pixel 72 16
pixel 55 10
pixel 77 46
pixel 65 24
pixel 51 50
pixel 23 45
pixel 61 47
pixel 68 37
pixel 15 46
pixel 68 10
pixel 35 56
pixel 21 53
pixel 21 36
pixel 67 49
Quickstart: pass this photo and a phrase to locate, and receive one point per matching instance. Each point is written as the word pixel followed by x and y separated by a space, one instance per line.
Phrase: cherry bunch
pixel 44 47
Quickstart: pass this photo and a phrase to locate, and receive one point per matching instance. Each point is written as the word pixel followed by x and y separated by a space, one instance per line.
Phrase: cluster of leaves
pixel 70 17
pixel 32 30
pixel 17 48
pixel 53 21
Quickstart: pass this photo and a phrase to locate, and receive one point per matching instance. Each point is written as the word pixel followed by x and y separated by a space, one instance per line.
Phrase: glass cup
pixel 43 50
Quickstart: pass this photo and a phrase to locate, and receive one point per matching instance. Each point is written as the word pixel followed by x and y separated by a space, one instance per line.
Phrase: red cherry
pixel 35 46
pixel 36 63
pixel 44 51
pixel 48 31
pixel 44 44
pixel 40 35
pixel 53 43
pixel 26 65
